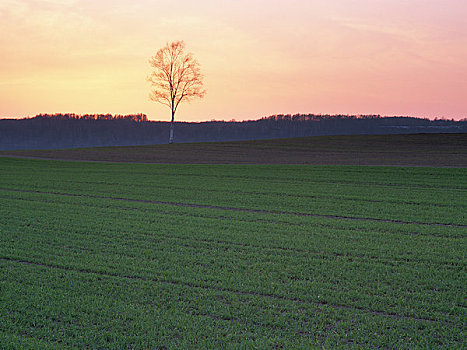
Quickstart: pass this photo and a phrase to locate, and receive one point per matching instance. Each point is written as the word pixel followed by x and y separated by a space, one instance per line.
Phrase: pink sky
pixel 259 57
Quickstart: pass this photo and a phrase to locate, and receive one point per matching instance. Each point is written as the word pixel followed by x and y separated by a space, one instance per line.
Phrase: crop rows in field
pixel 235 209
pixel 105 255
pixel 418 196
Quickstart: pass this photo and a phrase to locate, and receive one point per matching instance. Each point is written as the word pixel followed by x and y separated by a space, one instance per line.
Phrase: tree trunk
pixel 171 137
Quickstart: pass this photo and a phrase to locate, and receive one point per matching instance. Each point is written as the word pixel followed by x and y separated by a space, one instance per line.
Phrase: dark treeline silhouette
pixel 46 131
pixel 71 116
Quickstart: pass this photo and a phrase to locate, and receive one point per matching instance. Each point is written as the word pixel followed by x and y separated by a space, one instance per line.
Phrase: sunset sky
pixel 388 57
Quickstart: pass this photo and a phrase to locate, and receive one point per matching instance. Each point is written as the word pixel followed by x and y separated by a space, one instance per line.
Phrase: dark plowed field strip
pixel 446 150
pixel 208 256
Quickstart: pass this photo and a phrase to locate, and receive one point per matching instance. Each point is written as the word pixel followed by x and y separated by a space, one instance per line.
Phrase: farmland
pixel 446 150
pixel 108 255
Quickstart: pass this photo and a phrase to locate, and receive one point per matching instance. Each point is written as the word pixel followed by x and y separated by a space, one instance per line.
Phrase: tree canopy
pixel 176 77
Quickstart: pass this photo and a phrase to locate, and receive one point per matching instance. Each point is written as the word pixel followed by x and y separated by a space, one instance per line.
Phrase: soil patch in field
pixel 438 150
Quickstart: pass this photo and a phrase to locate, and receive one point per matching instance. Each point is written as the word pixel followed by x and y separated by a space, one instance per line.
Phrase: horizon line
pixel 233 119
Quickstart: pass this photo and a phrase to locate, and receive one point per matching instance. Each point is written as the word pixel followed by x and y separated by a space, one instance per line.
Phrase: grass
pixel 109 255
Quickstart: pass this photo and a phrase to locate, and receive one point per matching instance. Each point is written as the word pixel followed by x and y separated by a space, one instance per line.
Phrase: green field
pixel 105 255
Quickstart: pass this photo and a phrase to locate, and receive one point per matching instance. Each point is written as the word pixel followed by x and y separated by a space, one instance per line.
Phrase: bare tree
pixel 176 78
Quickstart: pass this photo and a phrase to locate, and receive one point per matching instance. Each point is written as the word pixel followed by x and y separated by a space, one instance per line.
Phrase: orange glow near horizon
pixel 258 57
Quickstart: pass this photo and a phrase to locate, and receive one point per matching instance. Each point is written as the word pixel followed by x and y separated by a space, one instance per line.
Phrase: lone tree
pixel 176 78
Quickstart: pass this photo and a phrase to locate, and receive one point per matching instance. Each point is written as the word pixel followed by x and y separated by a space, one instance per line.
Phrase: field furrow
pixel 230 291
pixel 206 206
pixel 159 256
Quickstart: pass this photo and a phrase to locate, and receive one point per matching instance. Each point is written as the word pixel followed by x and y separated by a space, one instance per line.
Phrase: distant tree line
pixel 46 131
pixel 72 116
